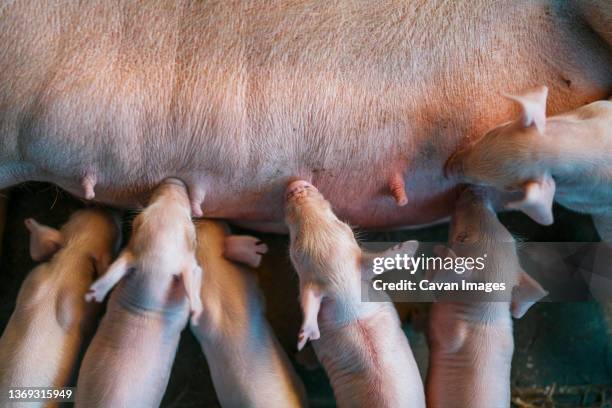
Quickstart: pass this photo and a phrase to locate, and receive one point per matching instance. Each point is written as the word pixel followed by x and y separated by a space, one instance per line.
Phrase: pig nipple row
pixel 88 182
pixel 398 190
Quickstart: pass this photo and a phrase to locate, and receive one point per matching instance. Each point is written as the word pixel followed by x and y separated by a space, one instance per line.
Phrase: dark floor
pixel 563 355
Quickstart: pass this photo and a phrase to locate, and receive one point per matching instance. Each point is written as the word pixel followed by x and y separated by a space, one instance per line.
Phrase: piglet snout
pixel 298 188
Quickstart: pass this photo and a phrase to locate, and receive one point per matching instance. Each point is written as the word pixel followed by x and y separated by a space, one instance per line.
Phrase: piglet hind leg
pixel 311 297
pixel 244 249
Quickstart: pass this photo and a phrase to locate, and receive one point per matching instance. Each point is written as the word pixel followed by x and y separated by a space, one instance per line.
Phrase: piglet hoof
pixel 95 294
pixel 91 296
pixel 244 249
pixel 307 332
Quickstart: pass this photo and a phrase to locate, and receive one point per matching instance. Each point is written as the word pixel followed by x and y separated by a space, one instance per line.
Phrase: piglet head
pixel 304 203
pixel 474 219
pixel 162 244
pixel 508 158
pixel 93 231
pixel 164 236
pixel 318 238
pixel 476 232
pixel 101 235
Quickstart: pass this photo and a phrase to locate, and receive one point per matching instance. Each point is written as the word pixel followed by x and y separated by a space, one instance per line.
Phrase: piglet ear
pixel 44 241
pixel 367 259
pixel 446 275
pixel 538 201
pixel 526 292
pixel 442 252
pixel 403 248
pixel 533 107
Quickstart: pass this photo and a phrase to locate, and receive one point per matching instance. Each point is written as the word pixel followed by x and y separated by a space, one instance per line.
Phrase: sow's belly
pixel 360 178
pixel 240 172
pixel 362 197
pixel 240 169
pixel 237 103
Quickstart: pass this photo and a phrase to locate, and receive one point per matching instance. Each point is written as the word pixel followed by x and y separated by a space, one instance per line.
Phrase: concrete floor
pixel 563 353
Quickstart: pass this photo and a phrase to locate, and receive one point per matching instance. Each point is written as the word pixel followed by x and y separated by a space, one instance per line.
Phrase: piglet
pixel 360 344
pixel 42 341
pixel 470 340
pixel 567 157
pixel 129 360
pixel 247 364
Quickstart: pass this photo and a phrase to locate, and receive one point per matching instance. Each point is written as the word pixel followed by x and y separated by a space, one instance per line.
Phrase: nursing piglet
pixel 360 344
pixel 566 157
pixel 42 341
pixel 471 341
pixel 247 364
pixel 129 360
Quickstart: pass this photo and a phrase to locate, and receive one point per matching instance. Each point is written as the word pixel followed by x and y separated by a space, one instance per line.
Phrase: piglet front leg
pixel 100 288
pixel 311 298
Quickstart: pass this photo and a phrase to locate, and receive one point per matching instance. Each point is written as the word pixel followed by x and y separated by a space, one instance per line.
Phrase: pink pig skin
pixel 128 363
pixel 368 359
pixel 471 348
pixel 361 345
pixel 129 360
pixel 238 98
pixel 42 341
pixel 248 366
pixel 471 343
